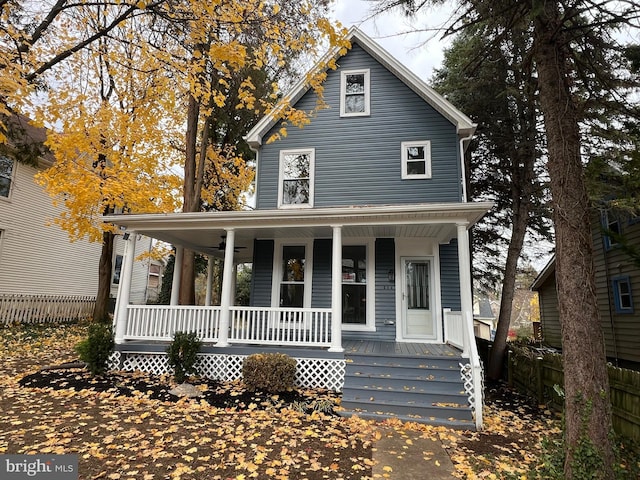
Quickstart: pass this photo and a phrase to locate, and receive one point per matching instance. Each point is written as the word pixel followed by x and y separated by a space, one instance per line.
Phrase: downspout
pixel 463 170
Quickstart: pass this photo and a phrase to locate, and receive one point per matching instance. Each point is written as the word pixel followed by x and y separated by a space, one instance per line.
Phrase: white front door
pixel 418 319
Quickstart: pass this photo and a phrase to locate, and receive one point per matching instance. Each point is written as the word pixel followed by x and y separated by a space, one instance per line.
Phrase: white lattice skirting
pixel 310 372
pixel 466 372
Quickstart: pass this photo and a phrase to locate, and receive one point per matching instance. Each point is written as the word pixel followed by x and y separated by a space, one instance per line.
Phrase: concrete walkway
pixel 406 456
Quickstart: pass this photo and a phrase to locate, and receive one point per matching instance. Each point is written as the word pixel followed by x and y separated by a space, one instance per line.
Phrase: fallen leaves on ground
pixel 127 426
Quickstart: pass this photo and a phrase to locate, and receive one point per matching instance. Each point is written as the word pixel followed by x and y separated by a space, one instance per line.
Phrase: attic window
pixel 354 93
pixel 416 159
pixel 6 175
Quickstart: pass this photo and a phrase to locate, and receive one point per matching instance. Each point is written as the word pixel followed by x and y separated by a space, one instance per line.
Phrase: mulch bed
pixel 156 387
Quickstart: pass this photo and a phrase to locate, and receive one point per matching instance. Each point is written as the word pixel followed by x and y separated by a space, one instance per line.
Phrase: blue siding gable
pixel 358 159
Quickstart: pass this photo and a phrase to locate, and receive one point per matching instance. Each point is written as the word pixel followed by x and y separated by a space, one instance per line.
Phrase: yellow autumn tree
pixel 112 110
pixel 131 83
pixel 219 43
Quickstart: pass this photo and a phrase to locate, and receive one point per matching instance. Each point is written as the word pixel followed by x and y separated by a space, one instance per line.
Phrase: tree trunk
pixel 518 231
pixel 101 309
pixel 586 384
pixel 191 200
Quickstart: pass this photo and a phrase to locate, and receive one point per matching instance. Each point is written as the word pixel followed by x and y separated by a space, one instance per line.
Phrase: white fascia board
pixel 469 213
pixel 464 126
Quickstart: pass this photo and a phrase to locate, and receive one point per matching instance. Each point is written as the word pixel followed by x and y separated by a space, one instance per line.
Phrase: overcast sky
pixel 420 52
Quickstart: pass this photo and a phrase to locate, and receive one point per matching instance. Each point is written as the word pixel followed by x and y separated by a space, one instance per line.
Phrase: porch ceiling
pixel 203 231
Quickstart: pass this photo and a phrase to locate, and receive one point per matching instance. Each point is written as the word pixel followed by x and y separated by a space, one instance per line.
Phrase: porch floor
pixel 367 347
pixel 351 347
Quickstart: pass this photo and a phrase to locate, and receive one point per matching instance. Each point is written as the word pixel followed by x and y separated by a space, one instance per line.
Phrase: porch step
pixel 409 387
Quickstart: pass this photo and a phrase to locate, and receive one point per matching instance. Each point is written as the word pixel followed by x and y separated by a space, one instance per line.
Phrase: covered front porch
pixel 391 236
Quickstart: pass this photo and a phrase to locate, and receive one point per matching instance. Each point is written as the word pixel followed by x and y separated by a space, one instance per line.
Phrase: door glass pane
pixel 292 282
pixel 417 285
pixel 292 295
pixel 293 263
pixel 354 288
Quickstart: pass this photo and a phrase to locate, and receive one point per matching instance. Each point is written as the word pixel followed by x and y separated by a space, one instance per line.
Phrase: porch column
pixel 464 267
pixel 226 297
pixel 124 290
pixel 207 300
pixel 177 275
pixel 336 291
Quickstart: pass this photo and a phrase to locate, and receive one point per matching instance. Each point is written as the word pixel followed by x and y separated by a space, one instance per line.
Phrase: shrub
pixel 270 372
pixel 182 354
pixel 96 348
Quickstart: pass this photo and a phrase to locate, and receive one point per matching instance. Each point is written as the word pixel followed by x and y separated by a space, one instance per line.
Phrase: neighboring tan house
pixel 359 249
pixel 617 287
pixel 43 275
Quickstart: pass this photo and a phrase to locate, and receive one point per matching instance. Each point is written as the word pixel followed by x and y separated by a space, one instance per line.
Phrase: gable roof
pixel 464 126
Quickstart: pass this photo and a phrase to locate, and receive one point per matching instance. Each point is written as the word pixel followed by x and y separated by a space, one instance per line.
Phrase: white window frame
pixel 11 179
pixel 281 178
pixel 405 159
pixel 276 280
pixel 370 326
pixel 367 92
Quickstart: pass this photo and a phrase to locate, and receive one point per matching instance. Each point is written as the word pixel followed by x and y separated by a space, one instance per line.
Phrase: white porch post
pixel 207 300
pixel 177 275
pixel 336 291
pixel 125 286
pixel 226 297
pixel 464 267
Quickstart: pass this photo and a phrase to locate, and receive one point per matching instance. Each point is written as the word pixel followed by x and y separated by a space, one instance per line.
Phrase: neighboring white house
pixel 39 265
pixel 147 272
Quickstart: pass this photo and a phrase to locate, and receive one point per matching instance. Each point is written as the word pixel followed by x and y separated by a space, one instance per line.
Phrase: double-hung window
pixel 354 93
pixel 611 226
pixel 7 166
pixel 622 296
pixel 296 178
pixel 416 159
pixel 117 270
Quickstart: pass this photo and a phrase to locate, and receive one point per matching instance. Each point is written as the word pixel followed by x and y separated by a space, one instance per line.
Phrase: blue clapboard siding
pixel 358 159
pixel 262 273
pixel 450 276
pixel 321 297
pixel 385 290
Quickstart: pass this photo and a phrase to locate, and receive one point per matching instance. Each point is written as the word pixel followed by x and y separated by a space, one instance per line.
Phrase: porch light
pixel 391 275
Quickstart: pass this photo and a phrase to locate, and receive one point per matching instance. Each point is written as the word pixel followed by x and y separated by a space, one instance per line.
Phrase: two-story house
pixel 617 283
pixel 359 246
pixel 43 275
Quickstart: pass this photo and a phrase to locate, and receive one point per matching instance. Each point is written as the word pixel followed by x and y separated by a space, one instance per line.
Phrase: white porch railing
pixel 281 326
pixel 453 328
pixel 255 325
pixel 161 322
pixel 458 330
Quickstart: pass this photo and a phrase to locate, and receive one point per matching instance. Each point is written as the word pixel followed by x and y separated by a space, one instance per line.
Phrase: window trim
pixel 12 178
pixel 370 325
pixel 606 222
pixel 367 92
pixel 405 159
pixel 617 295
pixel 276 280
pixel 281 179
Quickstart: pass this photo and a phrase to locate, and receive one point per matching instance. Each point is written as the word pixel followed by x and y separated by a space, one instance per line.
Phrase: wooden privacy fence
pixel 540 376
pixel 44 308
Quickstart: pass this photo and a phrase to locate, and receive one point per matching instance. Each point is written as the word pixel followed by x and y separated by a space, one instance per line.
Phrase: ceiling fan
pixel 223 245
